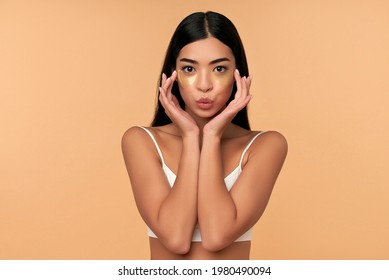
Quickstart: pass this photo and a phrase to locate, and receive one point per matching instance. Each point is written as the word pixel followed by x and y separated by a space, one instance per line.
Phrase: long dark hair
pixel 195 27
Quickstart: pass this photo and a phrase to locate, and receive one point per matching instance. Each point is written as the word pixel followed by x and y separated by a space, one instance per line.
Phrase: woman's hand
pixel 178 116
pixel 218 124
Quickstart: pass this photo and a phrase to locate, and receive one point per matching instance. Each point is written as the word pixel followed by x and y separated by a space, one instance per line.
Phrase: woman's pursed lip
pixel 204 100
pixel 204 103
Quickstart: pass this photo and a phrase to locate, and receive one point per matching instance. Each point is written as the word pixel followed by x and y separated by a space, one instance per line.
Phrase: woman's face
pixel 205 77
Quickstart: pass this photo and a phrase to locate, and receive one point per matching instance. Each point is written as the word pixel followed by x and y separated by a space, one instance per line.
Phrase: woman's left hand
pixel 218 124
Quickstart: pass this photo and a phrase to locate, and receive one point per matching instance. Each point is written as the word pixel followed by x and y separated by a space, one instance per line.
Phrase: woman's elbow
pixel 179 246
pixel 215 243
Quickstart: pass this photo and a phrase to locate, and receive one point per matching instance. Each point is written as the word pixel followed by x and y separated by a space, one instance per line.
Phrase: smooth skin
pixel 201 146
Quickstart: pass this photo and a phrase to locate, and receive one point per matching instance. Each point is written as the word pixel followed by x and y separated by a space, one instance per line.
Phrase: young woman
pixel 200 177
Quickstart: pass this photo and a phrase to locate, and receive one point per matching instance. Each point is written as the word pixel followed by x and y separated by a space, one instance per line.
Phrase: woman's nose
pixel 204 82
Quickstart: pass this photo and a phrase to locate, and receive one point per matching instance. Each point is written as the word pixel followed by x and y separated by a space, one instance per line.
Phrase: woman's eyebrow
pixel 211 63
pixel 219 60
pixel 189 60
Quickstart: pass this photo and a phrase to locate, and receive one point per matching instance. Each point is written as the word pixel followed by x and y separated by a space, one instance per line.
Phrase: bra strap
pixel 155 143
pixel 248 146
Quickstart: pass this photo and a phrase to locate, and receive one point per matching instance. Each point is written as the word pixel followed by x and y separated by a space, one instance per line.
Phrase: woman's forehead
pixel 206 50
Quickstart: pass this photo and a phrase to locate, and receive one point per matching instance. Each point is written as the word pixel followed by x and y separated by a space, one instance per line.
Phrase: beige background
pixel 74 75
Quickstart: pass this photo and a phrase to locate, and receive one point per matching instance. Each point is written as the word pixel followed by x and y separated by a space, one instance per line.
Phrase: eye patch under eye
pixel 221 79
pixel 186 80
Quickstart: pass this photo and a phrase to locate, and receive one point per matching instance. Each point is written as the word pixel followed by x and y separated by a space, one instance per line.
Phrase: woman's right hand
pixel 178 116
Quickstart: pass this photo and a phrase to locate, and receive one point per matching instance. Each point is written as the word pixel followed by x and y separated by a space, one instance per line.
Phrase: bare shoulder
pixel 133 134
pixel 271 142
pixel 273 137
pixel 136 138
pixel 138 148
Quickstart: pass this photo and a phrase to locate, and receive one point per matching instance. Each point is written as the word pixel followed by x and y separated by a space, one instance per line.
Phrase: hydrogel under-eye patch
pixel 223 79
pixel 217 78
pixel 186 79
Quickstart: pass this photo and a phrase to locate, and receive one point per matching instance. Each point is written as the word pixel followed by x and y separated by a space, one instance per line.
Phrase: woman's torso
pixel 232 146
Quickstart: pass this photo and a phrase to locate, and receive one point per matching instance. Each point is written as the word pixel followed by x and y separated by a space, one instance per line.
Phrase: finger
pixel 169 84
pixel 250 79
pixel 174 75
pixel 244 87
pixel 241 92
pixel 242 102
pixel 164 84
pixel 238 81
pixel 163 98
pixel 169 104
pixel 249 86
pixel 163 80
pixel 242 98
pixel 172 78
pixel 247 89
pixel 166 81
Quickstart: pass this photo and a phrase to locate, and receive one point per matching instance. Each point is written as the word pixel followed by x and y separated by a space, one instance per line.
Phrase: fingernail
pixel 237 71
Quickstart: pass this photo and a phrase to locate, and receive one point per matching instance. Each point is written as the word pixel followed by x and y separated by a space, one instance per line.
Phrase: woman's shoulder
pixel 140 133
pixel 133 132
pixel 242 133
pixel 271 134
pixel 270 140
pixel 135 136
pixel 256 139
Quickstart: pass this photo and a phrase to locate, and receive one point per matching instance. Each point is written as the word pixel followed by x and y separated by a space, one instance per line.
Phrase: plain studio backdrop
pixel 74 75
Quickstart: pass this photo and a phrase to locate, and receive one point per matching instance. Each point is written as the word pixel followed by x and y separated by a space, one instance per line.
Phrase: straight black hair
pixel 198 26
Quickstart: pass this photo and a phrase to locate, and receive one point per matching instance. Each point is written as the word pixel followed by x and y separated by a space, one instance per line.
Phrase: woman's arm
pixel 171 213
pixel 224 216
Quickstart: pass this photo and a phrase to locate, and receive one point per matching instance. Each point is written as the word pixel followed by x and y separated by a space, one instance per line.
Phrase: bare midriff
pixel 235 251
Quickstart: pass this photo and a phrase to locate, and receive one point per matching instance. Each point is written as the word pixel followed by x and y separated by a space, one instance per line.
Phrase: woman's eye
pixel 220 69
pixel 188 69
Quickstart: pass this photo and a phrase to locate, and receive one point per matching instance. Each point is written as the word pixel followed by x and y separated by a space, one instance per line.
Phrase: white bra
pixel 229 180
